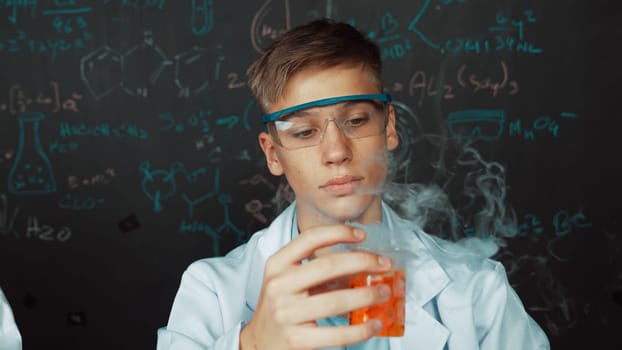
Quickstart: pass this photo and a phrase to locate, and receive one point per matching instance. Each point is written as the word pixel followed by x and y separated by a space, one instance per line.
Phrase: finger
pixel 333 303
pixel 333 266
pixel 315 238
pixel 340 336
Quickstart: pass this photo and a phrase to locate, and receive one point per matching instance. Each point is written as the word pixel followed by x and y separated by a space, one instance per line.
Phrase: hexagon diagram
pixel 102 71
pixel 143 65
pixel 195 70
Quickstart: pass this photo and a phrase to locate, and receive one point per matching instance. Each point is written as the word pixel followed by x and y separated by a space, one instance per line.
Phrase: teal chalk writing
pixel 489 124
pixel 564 223
pixel 72 202
pixel 102 130
pixel 66 11
pixel 62 147
pixel 215 232
pixel 413 26
pixel 15 5
pixel 139 4
pixel 484 124
pixel 202 17
pixel 22 43
pixel 506 35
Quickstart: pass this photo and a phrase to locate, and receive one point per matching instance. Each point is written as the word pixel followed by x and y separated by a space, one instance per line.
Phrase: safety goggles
pixel 304 125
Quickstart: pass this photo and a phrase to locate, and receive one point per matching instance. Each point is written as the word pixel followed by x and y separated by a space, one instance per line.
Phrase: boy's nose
pixel 334 144
pixel 333 130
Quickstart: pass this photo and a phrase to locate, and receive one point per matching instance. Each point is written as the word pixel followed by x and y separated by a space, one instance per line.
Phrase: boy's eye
pixel 357 120
pixel 301 134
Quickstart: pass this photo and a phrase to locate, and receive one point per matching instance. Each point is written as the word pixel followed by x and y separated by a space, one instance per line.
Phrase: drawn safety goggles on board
pixel 483 124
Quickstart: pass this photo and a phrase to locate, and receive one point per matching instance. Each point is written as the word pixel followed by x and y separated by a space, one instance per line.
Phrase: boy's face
pixel 341 178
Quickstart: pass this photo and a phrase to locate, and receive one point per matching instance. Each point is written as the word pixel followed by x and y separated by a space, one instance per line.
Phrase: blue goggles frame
pixel 266 118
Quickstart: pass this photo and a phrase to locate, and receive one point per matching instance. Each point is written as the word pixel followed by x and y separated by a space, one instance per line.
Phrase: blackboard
pixel 128 149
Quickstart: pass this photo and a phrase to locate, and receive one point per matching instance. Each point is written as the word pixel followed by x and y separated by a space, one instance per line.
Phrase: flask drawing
pixel 31 172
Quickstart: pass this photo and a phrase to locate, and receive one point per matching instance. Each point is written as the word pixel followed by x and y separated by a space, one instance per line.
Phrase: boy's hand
pixel 287 310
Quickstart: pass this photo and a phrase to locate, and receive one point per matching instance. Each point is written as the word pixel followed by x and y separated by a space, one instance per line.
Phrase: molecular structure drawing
pixel 137 71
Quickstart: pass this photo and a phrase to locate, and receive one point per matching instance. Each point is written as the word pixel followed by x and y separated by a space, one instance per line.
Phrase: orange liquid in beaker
pixel 390 312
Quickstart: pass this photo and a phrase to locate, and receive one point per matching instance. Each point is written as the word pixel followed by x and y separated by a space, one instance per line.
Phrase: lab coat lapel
pixel 426 279
pixel 422 331
pixel 277 235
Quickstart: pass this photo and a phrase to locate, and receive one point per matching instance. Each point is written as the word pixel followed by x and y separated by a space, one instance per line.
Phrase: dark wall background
pixel 128 149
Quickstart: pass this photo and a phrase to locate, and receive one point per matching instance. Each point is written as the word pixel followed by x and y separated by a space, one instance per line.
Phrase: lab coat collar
pixel 426 278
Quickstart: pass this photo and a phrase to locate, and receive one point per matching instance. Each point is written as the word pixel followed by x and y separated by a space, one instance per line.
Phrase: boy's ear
pixel 393 139
pixel 269 149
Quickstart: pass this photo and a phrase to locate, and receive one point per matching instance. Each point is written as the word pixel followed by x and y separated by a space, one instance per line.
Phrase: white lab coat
pixel 10 339
pixel 454 301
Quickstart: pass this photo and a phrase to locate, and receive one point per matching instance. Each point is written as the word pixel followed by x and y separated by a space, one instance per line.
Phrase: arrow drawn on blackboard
pixel 230 121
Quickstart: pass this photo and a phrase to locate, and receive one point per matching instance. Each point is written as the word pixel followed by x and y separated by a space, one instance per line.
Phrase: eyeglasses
pixel 356 116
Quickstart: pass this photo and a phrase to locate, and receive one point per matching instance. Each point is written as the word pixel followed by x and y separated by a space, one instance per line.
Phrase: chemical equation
pixel 505 34
pixel 56 147
pixel 512 37
pixel 561 224
pixel 31 7
pixel 137 71
pixel 467 80
pixel 32 230
pixel 103 178
pixel 489 125
pixel 67 24
pixel 74 202
pixel 51 101
pixel 194 121
pixel 393 44
pixel 21 43
pixel 540 124
pixel 201 121
pixel 67 129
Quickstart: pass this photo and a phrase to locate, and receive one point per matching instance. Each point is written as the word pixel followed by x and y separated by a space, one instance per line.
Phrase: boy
pixel 330 129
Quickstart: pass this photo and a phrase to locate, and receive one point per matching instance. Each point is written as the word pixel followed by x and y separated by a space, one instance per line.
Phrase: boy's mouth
pixel 341 185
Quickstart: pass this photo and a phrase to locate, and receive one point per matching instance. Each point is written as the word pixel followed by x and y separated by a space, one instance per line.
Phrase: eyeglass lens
pixel 307 128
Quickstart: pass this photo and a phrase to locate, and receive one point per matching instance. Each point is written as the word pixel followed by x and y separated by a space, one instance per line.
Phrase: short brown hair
pixel 320 43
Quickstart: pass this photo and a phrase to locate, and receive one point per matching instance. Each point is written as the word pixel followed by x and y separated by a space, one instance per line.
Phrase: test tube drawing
pixel 31 172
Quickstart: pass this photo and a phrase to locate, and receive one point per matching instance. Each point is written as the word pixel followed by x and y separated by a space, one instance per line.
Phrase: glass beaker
pixel 31 172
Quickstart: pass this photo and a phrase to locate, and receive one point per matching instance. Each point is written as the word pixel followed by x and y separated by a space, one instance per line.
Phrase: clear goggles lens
pixel 306 127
